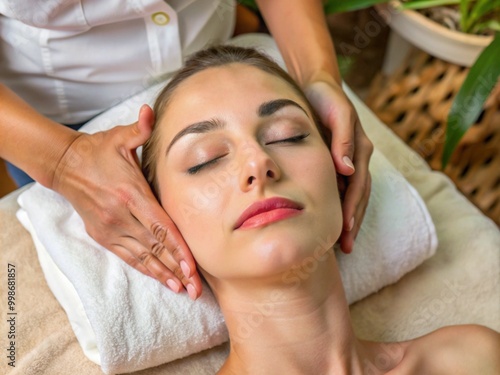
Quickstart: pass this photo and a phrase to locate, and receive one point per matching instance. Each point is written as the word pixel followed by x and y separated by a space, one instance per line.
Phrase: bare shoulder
pixel 464 349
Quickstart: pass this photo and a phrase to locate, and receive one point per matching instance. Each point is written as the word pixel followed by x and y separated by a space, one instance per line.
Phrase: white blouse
pixel 71 59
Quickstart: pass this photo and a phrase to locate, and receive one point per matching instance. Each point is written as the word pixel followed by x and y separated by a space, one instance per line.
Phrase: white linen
pixel 132 322
pixel 53 51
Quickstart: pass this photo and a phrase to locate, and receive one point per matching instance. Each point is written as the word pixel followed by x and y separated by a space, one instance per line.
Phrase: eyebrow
pixel 265 110
pixel 270 107
pixel 197 128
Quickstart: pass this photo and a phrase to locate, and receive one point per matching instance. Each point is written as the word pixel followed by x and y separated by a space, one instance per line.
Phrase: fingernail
pixel 351 224
pixel 347 161
pixel 173 285
pixel 191 291
pixel 185 269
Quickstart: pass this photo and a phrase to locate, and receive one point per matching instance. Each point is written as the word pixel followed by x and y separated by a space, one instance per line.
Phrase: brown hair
pixel 209 58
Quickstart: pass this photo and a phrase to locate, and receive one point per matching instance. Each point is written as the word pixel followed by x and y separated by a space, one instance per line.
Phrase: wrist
pixel 307 71
pixel 302 35
pixel 322 76
pixel 60 157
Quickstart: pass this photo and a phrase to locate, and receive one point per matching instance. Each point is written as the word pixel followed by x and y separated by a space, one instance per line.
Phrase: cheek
pixel 192 207
pixel 319 180
pixel 314 167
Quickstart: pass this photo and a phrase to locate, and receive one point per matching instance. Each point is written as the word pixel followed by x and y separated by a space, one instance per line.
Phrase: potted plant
pixel 459 31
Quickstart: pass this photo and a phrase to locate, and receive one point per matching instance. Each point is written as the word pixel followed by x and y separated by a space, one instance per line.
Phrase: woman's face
pixel 238 143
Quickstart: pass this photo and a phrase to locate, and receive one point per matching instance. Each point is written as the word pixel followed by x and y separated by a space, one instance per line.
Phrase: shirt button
pixel 160 18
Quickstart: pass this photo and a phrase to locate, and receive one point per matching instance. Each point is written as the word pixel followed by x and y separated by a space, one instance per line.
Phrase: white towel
pixel 126 321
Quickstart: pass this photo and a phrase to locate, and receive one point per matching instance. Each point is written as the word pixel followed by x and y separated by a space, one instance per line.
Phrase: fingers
pixel 337 114
pixel 160 236
pixel 351 151
pixel 357 193
pixel 119 210
pixel 153 259
pixel 130 259
pixel 137 247
pixel 348 236
pixel 151 236
pixel 167 270
pixel 164 252
pixel 343 138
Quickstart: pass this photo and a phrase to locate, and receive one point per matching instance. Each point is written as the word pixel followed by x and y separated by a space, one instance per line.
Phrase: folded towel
pixel 126 321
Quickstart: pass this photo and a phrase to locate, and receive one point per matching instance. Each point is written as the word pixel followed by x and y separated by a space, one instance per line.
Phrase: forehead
pixel 229 88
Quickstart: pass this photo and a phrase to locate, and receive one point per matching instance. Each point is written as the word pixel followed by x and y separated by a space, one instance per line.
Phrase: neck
pixel 296 324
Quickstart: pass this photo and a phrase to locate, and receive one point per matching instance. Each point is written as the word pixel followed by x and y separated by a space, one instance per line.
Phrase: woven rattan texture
pixel 414 102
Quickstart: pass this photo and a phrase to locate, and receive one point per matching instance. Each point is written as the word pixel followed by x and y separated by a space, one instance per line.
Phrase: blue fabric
pixel 18 175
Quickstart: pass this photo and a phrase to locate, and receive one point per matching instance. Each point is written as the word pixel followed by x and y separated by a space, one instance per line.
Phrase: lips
pixel 267 211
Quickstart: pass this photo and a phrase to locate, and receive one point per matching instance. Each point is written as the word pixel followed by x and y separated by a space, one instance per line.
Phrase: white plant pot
pixel 449 45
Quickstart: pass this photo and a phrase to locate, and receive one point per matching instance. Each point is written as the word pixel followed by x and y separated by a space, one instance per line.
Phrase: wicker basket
pixel 414 102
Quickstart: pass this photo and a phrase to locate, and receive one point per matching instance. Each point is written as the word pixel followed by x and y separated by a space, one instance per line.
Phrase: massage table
pixel 460 284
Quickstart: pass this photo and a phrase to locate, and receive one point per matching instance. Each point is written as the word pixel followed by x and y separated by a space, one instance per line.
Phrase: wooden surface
pixel 414 102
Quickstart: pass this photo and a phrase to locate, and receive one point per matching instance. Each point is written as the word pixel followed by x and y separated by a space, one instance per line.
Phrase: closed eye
pixel 197 168
pixel 296 139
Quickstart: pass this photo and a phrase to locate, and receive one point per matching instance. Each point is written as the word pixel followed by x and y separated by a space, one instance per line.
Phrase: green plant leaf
pixel 469 101
pixel 337 6
pixel 465 17
pixel 483 7
pixel 488 25
pixel 421 4
pixel 479 9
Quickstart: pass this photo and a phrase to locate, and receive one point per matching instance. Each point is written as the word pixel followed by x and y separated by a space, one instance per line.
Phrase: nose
pixel 258 168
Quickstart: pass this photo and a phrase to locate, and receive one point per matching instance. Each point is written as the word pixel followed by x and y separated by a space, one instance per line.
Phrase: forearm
pixel 300 30
pixel 29 140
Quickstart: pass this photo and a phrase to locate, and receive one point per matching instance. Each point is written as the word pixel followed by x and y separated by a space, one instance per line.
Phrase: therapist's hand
pixel 351 151
pixel 100 175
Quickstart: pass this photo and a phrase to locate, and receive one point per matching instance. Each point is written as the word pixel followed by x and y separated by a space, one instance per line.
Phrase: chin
pixel 273 250
pixel 281 249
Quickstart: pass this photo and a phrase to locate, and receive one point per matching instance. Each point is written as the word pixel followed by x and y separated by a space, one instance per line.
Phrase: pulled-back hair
pixel 209 58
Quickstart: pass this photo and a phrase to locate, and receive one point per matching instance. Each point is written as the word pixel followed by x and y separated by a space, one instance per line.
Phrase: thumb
pixel 139 132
